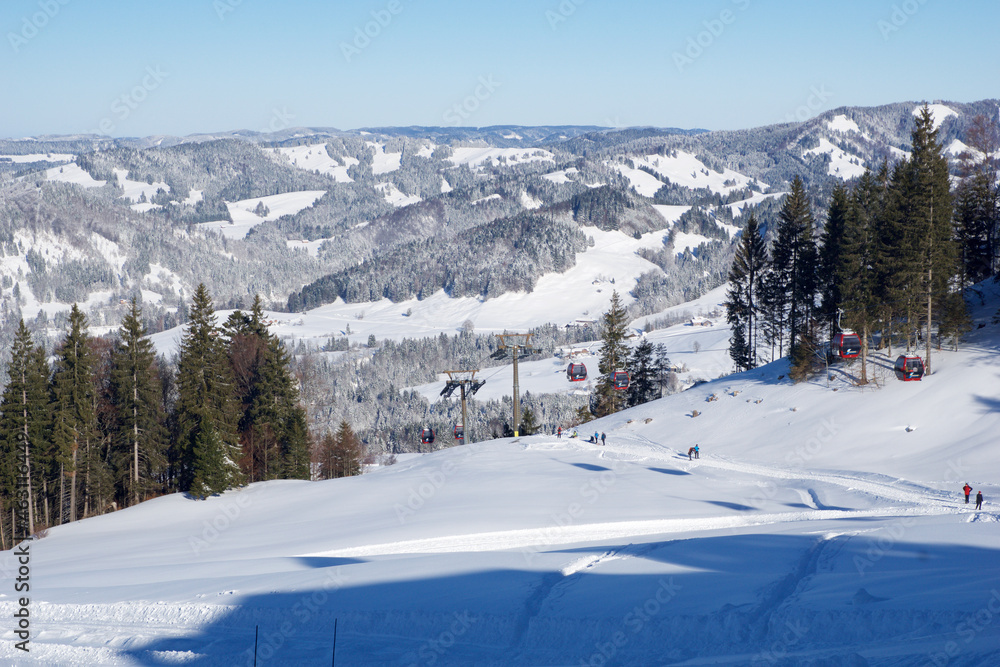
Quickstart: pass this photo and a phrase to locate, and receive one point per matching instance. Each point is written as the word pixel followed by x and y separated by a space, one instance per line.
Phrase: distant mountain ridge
pixel 98 220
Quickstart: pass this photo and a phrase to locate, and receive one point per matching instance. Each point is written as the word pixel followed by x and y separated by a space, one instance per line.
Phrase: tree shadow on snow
pixel 992 404
pixel 722 595
pixel 670 471
pixel 590 466
pixel 732 506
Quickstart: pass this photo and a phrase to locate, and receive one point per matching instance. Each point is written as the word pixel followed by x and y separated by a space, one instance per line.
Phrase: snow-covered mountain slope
pixel 823 524
pixel 386 187
pixel 581 293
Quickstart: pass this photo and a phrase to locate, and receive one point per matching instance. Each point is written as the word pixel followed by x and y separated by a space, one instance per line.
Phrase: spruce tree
pixel 272 424
pixel 645 367
pixel 613 356
pixel 831 253
pixel 855 274
pixel 340 454
pixel 794 263
pixel 927 192
pixel 528 422
pixel 139 434
pixel 74 431
pixel 976 220
pixel 24 424
pixel 744 299
pixel 739 350
pixel 206 409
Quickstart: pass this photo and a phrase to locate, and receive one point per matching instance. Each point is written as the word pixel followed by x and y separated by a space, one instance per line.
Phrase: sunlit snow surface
pixel 823 522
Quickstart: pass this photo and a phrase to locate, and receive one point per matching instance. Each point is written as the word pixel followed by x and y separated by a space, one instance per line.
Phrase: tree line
pixel 108 424
pixel 897 251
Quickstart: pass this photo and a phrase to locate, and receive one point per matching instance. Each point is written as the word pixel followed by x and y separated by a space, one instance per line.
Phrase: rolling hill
pixel 822 525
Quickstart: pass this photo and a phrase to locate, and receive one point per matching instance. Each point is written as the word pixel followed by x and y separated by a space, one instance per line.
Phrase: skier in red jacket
pixel 968 490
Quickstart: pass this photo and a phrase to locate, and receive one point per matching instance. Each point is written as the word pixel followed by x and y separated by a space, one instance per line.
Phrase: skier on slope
pixel 968 490
pixel 979 500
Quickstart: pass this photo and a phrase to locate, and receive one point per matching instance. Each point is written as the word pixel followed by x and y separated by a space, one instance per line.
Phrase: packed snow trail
pixel 553 536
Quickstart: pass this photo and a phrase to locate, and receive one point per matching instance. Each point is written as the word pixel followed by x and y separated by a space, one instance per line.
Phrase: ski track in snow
pixel 918 501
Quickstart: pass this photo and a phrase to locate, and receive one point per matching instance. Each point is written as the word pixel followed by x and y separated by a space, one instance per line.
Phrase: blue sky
pixel 133 68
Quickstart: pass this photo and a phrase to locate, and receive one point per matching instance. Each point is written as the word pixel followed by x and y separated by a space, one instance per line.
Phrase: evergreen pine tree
pixel 855 273
pixel 977 217
pixel 744 299
pixel 74 431
pixel 528 422
pixel 139 434
pixel 894 256
pixel 23 425
pixel 831 255
pixel 645 368
pixel 206 408
pixel 272 423
pixel 613 356
pixel 212 472
pixel 739 350
pixel 794 263
pixel 347 453
pixel 927 192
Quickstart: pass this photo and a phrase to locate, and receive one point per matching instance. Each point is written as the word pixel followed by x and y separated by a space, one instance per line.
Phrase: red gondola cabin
pixel 459 431
pixel 845 345
pixel 909 368
pixel 619 380
pixel 576 372
pixel 427 436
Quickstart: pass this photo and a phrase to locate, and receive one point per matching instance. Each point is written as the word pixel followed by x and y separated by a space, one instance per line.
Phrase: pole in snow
pixel 333 660
pixel 463 380
pixel 518 345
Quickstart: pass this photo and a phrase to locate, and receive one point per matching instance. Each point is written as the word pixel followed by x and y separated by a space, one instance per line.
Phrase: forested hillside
pixel 310 218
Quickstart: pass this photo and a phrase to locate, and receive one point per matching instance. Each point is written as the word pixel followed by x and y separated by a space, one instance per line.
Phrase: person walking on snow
pixel 596 437
pixel 979 500
pixel 696 452
pixel 968 490
pixel 690 452
pixel 559 432
pixel 602 437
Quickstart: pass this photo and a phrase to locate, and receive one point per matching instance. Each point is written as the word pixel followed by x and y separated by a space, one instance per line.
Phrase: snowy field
pixel 72 173
pixel 683 169
pixel 244 218
pixel 582 292
pixel 841 164
pixel 316 158
pixel 822 525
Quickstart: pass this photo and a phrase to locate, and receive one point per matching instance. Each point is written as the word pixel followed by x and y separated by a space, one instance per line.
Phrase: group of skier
pixel 979 496
pixel 593 439
pixel 693 453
